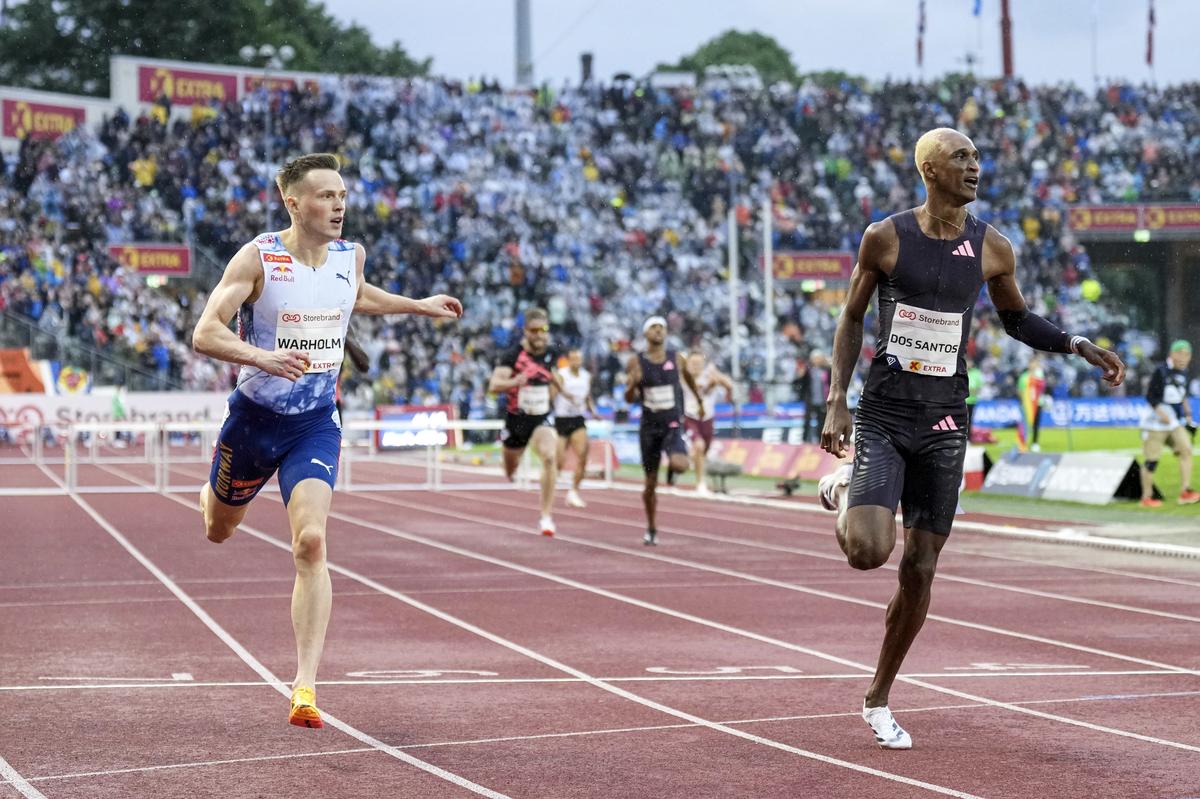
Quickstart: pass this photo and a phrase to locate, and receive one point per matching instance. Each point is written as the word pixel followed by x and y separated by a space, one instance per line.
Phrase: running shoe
pixel 547 526
pixel 888 734
pixel 702 490
pixel 1151 502
pixel 304 709
pixel 574 500
pixel 1189 497
pixel 650 539
pixel 825 486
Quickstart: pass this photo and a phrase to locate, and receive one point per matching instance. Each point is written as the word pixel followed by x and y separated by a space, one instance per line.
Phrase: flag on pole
pixel 920 33
pixel 1030 387
pixel 978 9
pixel 1150 38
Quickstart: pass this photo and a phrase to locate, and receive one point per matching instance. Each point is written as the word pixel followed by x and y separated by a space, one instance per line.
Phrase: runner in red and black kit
pixel 928 266
pixel 525 376
pixel 654 377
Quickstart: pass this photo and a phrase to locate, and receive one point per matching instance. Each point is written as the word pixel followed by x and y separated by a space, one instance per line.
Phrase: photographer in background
pixel 1169 419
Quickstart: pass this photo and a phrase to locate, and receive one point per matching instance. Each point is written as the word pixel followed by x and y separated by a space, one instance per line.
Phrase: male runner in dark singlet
pixel 928 264
pixel 525 375
pixel 653 377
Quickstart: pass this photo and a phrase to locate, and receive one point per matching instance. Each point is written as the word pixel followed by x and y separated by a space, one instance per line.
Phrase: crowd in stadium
pixel 603 204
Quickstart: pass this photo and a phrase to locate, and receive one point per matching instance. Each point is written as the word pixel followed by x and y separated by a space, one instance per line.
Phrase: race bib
pixel 923 341
pixel 659 398
pixel 315 332
pixel 534 400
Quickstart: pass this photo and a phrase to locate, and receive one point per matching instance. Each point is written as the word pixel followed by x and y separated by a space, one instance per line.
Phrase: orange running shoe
pixel 1151 502
pixel 1189 497
pixel 304 709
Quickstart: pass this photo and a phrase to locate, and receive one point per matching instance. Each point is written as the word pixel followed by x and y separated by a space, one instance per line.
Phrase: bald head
pixel 936 144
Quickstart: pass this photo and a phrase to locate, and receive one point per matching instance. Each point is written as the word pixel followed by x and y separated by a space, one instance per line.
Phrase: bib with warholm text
pixel 923 341
pixel 316 333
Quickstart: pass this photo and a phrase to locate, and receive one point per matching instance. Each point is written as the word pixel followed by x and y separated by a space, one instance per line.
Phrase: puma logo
pixel 345 277
pixel 328 468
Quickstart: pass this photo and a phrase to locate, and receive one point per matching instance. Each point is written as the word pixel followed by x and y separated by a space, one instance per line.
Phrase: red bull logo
pixel 282 274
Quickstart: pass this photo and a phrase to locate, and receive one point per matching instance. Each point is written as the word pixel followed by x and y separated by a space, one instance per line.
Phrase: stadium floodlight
pixel 267 50
pixel 287 53
pixel 248 52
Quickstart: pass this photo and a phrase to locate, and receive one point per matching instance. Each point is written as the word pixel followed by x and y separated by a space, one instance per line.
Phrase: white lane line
pixel 262 670
pixel 787 586
pixel 747 633
pixel 939 675
pixel 942 574
pixel 577 734
pixel 610 688
pixel 14 779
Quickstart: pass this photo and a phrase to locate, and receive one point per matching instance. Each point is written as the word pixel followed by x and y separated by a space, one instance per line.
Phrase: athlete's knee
pixel 917 570
pixel 309 545
pixel 218 533
pixel 866 553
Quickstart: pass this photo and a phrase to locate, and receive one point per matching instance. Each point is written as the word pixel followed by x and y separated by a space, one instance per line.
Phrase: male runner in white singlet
pixel 569 408
pixel 293 293
pixel 699 412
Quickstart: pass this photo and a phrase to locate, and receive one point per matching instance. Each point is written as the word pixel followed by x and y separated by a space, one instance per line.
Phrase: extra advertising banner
pixel 33 410
pixel 1022 474
pixel 24 119
pixel 174 260
pixel 1128 218
pixel 811 265
pixel 185 86
pixel 416 426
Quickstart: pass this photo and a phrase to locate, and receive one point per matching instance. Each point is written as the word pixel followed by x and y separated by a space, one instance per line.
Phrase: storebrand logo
pixel 290 317
pixel 907 314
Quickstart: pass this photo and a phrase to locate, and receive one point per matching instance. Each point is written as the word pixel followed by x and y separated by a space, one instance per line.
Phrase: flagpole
pixel 1095 43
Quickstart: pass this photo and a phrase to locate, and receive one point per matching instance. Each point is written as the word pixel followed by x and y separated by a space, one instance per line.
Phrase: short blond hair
pixel 294 171
pixel 929 145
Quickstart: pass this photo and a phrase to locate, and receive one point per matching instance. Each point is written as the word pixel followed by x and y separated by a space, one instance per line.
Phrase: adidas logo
pixel 946 424
pixel 964 249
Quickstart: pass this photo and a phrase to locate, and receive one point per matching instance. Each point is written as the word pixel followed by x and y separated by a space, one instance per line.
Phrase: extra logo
pixel 290 317
pixel 276 258
pixel 914 366
pixel 907 314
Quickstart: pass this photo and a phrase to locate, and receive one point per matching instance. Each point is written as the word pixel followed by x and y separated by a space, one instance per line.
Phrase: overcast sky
pixel 877 38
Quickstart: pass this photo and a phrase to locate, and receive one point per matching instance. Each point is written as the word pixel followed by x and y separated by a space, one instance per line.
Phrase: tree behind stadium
pixel 64 45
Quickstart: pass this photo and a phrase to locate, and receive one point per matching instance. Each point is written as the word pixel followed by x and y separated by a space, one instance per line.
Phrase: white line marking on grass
pixel 262 670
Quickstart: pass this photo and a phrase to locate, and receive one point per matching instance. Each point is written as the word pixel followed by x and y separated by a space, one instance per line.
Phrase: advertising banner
pixel 23 119
pixel 185 86
pixel 1094 478
pixel 32 410
pixel 174 260
pixel 1022 474
pixel 1129 218
pixel 417 426
pixel 791 265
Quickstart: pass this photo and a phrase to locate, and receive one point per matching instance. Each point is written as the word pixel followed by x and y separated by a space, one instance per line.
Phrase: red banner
pixel 812 265
pixel 758 459
pixel 276 83
pixel 185 87
pixel 1128 218
pixel 154 259
pixel 40 120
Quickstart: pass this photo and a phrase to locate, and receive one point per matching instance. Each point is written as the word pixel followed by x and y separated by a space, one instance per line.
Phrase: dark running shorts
pixel 702 429
pixel 567 425
pixel 256 442
pixel 658 438
pixel 519 427
pixel 911 455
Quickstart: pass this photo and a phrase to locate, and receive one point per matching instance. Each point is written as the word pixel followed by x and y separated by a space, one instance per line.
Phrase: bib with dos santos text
pixel 923 341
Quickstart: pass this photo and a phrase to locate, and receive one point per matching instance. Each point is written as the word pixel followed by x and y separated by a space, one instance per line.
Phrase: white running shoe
pixel 702 490
pixel 888 734
pixel 547 526
pixel 574 500
pixel 838 477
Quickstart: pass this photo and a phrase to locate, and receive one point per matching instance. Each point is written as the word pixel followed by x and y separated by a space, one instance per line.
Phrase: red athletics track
pixel 729 661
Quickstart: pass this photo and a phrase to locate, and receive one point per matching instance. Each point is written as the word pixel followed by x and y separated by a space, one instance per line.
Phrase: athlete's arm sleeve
pixel 1031 329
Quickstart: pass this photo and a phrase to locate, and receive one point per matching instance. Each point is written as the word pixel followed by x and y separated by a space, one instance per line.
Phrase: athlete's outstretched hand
pixel 442 306
pixel 838 428
pixel 290 364
pixel 1109 361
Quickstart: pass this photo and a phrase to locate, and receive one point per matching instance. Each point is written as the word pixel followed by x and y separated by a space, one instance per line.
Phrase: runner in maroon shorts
pixel 699 412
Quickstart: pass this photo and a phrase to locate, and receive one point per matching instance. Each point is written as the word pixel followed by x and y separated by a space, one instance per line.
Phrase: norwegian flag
pixel 921 32
pixel 1150 38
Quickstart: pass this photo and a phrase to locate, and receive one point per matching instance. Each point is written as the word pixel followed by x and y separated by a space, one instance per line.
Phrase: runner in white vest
pixel 569 408
pixel 700 426
pixel 293 293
